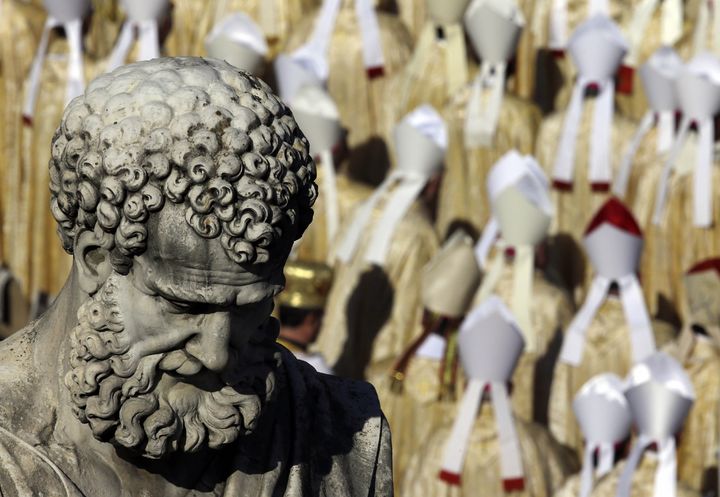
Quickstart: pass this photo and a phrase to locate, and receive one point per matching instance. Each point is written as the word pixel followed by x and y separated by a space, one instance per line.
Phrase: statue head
pixel 179 186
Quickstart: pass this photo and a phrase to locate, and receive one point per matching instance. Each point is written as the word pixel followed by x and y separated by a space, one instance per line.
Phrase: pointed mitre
pixel 702 287
pixel 520 199
pixel 660 395
pixel 292 74
pixel 451 278
pixel 613 241
pixel 698 87
pixel 145 10
pixel 67 10
pixel 494 27
pixel 659 77
pixel 318 118
pixel 597 47
pixel 421 140
pixel 602 411
pixel 238 40
pixel 490 342
pixel 446 11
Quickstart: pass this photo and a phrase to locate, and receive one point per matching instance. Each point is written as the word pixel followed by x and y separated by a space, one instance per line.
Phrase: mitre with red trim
pixel 613 242
pixel 490 344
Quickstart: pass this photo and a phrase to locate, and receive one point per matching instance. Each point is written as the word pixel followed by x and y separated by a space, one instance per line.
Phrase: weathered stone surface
pixel 179 186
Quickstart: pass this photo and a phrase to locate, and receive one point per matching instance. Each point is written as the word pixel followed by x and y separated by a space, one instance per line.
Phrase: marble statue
pixel 179 186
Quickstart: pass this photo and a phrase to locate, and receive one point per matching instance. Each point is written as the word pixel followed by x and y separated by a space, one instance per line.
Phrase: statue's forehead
pixel 185 265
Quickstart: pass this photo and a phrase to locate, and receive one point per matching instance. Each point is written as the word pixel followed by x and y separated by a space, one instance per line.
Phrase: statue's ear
pixel 92 260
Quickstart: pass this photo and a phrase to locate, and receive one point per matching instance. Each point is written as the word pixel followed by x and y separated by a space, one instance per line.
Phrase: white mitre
pixel 597 48
pixel 603 414
pixel 69 15
pixel 494 28
pixel 698 90
pixel 613 242
pixel 490 344
pixel 660 395
pixel 238 40
pixel 292 75
pixel 319 119
pixel 659 77
pixel 420 142
pixel 143 18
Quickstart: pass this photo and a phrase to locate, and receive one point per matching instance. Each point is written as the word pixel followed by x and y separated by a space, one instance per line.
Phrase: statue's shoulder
pixel 348 434
pixel 25 470
pixel 17 370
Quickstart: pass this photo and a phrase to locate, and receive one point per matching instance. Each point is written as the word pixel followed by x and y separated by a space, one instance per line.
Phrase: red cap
pixel 617 214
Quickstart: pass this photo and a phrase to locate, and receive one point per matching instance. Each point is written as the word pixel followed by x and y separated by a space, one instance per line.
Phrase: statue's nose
pixel 211 344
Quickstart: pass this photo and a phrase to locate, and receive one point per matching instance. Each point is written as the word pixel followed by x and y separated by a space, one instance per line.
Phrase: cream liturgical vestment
pixel 378 305
pixel 462 193
pixel 700 438
pixel 20 24
pixel 643 481
pixel 421 391
pixel 45 265
pixel 361 93
pixel 607 349
pixel 545 464
pixel 314 246
pixel 439 66
pixel 192 21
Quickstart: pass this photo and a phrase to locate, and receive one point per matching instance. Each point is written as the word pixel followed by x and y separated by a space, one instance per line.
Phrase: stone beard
pixel 158 403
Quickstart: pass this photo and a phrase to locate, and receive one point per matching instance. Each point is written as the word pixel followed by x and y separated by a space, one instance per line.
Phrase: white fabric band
pixel 332 211
pixel 370 33
pixel 662 193
pixel 637 317
pixel 702 173
pixel 314 52
pixel 636 31
pixel 75 83
pixel 399 202
pixel 148 37
pixel 600 170
pixel 606 460
pixel 600 142
pixel 623 178
pixel 522 291
pixel 586 472
pixel 558 37
pixel 487 240
pixel 665 484
pixel 455 451
pixel 707 19
pixel 671 26
pixel 350 242
pixel 481 118
pixel 558 25
pixel 406 189
pixel 574 342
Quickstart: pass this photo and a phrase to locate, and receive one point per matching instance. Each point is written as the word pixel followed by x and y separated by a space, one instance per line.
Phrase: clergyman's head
pixel 179 185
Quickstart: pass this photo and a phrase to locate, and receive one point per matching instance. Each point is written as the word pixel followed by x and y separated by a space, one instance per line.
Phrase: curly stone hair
pixel 192 131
